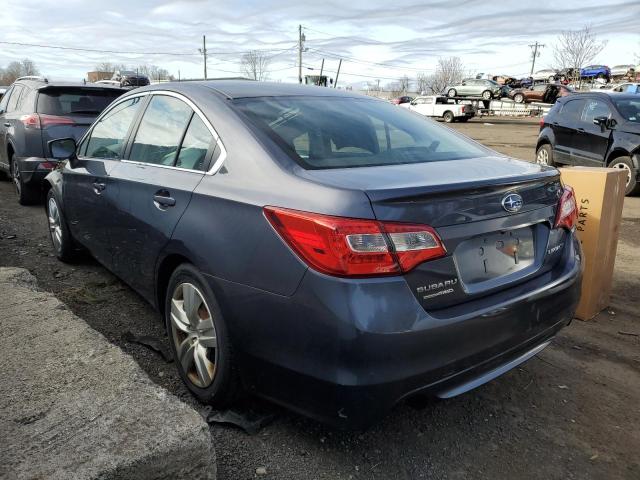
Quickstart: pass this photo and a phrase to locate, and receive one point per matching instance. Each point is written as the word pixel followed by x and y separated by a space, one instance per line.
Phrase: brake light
pixel 352 247
pixel 567 213
pixel 40 121
pixel 541 121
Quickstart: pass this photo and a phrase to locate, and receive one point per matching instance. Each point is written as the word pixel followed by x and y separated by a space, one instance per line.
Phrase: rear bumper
pixel 32 171
pixel 345 351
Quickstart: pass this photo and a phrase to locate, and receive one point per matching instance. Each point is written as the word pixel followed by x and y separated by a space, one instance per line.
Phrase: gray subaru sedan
pixel 324 250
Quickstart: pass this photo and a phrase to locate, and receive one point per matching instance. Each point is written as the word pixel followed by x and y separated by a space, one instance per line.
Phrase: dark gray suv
pixel 34 111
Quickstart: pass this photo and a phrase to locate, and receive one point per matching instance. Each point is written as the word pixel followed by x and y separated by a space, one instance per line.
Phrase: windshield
pixel 330 132
pixel 91 101
pixel 629 109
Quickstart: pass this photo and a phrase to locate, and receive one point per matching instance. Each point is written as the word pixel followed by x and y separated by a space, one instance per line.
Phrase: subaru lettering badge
pixel 512 202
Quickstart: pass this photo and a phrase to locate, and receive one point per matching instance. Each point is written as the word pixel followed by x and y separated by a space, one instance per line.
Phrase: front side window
pixel 109 134
pixel 629 109
pixel 5 99
pixel 161 129
pixel 335 132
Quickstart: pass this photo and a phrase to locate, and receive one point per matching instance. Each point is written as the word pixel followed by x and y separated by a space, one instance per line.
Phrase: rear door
pixel 166 160
pixel 89 194
pixel 565 128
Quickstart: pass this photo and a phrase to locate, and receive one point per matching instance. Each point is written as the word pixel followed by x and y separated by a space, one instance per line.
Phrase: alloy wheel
pixel 543 157
pixel 194 335
pixel 623 166
pixel 16 178
pixel 55 225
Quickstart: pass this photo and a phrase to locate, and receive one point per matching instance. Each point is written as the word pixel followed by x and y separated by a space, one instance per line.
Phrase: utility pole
pixel 335 84
pixel 321 67
pixel 203 51
pixel 301 40
pixel 535 54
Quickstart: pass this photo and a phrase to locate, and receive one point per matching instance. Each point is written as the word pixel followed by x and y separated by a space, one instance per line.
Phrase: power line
pixel 365 62
pixel 94 50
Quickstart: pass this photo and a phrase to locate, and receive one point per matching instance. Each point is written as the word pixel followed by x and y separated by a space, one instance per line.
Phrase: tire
pixel 518 98
pixel 487 95
pixel 544 155
pixel 448 116
pixel 625 163
pixel 452 92
pixel 204 355
pixel 63 244
pixel 27 194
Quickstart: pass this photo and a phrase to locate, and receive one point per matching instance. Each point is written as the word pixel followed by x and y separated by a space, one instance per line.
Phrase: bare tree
pixel 255 65
pixel 575 49
pixel 110 67
pixel 18 69
pixel 403 84
pixel 449 71
pixel 422 82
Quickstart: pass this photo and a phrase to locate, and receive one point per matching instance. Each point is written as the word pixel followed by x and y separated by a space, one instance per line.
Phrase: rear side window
pixel 336 132
pixel 28 100
pixel 194 148
pixel 13 99
pixel 572 110
pixel 109 134
pixel 78 101
pixel 161 130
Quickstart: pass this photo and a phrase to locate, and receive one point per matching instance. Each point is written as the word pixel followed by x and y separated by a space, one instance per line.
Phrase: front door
pixel 165 163
pixel 89 194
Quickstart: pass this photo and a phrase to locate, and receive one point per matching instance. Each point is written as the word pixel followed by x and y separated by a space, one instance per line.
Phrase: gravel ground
pixel 571 413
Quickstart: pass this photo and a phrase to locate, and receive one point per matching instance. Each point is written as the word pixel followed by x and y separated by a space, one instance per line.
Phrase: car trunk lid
pixel 488 247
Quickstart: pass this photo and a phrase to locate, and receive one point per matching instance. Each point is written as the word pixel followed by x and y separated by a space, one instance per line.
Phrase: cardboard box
pixel 600 197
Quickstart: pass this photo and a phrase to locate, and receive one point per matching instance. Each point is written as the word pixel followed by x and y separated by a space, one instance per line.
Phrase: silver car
pixel 475 87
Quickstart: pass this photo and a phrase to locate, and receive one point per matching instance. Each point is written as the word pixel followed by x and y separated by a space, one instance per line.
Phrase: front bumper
pixel 345 351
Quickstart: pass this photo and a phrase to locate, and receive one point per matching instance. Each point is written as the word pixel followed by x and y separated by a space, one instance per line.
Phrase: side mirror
pixel 63 149
pixel 611 123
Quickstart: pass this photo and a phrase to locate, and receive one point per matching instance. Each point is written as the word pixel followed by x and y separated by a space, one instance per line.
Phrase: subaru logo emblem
pixel 512 202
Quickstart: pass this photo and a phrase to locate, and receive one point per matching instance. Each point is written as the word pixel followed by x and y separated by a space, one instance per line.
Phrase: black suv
pixel 128 78
pixel 35 111
pixel 594 129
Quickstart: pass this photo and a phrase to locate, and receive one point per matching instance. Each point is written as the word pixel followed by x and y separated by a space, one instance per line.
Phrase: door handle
pixel 98 187
pixel 163 199
pixel 580 130
pixel 7 124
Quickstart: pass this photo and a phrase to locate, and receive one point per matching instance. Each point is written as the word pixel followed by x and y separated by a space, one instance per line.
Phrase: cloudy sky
pixel 376 39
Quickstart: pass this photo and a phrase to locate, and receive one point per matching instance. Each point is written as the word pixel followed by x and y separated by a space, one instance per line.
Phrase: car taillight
pixel 541 121
pixel 567 212
pixel 352 247
pixel 39 121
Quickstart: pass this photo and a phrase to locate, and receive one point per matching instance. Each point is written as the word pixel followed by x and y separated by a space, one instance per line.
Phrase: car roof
pixel 602 95
pixel 42 85
pixel 234 89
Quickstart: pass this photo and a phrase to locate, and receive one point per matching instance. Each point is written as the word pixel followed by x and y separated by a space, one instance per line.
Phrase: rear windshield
pixel 334 132
pixel 68 101
pixel 629 109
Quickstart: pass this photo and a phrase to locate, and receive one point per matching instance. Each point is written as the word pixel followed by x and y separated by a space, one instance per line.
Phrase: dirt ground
pixel 571 413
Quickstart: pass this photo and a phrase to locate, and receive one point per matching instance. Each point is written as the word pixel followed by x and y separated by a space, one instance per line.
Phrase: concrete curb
pixel 75 406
